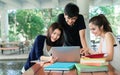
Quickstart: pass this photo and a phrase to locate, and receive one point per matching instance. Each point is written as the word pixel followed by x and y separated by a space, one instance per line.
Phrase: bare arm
pixel 109 46
pixel 83 40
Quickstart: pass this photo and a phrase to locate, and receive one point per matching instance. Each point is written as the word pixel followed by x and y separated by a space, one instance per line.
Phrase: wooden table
pixel 38 70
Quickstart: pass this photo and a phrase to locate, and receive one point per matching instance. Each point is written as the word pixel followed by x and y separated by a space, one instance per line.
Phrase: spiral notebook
pixel 60 66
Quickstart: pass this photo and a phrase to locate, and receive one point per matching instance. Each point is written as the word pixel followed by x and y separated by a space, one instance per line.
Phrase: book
pixel 93 61
pixel 95 64
pixel 86 59
pixel 86 68
pixel 100 55
pixel 60 66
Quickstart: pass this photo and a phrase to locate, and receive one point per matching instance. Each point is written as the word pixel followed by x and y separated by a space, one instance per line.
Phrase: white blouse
pixel 45 51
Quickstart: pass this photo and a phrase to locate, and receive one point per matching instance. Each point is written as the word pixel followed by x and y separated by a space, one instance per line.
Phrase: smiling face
pixel 55 35
pixel 95 29
pixel 70 20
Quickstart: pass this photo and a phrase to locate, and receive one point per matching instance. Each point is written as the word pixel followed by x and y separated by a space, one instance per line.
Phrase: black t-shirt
pixel 71 33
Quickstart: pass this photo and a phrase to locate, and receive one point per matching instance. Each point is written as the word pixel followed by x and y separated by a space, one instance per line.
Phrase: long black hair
pixel 52 27
pixel 101 20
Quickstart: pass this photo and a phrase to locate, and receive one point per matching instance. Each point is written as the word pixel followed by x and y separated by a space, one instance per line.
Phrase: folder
pixel 60 66
pixel 100 55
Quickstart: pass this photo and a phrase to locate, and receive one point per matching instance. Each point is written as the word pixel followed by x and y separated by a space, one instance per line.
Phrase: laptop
pixel 66 53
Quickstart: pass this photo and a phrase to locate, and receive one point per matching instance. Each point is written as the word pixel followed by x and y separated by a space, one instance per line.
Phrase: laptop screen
pixel 66 53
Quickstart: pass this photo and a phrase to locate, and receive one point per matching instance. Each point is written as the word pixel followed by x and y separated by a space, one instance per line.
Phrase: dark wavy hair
pixel 71 10
pixel 52 27
pixel 101 20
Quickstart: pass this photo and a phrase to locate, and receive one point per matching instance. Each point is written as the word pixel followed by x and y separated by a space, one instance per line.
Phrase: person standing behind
pixel 43 44
pixel 73 25
pixel 109 45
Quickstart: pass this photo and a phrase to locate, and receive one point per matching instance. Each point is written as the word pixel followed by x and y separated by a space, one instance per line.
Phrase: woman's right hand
pixel 84 51
pixel 47 60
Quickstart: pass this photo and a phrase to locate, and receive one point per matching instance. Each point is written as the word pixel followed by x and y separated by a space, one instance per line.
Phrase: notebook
pixel 66 53
pixel 86 68
pixel 60 66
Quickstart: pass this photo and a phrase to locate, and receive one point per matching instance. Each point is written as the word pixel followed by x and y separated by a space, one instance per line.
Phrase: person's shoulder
pixel 80 16
pixel 109 35
pixel 61 18
pixel 61 15
pixel 41 36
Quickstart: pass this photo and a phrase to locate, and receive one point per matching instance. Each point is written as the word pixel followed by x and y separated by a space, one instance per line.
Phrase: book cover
pixel 100 55
pixel 60 66
pixel 94 63
pixel 92 60
pixel 86 68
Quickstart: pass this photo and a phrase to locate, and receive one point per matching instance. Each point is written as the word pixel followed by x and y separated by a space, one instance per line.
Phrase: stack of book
pixel 93 61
